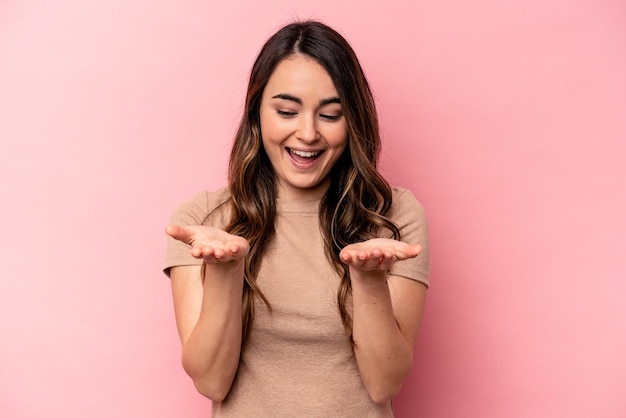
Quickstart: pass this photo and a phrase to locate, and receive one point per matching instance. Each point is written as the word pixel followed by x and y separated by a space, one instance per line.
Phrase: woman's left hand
pixel 386 313
pixel 377 254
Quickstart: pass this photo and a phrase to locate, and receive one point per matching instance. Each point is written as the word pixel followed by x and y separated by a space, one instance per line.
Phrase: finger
pixel 410 251
pixel 179 233
pixel 212 255
pixel 353 258
pixel 218 253
pixel 204 252
pixel 377 254
pixel 378 259
pixel 364 260
pixel 416 248
pixel 345 256
pixel 387 261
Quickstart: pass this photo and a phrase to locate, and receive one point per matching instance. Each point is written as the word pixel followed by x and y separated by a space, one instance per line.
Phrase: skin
pixel 387 313
pixel 208 313
pixel 298 112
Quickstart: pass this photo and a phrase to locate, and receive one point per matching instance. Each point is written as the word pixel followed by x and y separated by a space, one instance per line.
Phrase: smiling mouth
pixel 304 156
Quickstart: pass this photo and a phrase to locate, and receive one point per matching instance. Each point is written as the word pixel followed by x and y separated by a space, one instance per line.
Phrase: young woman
pixel 299 288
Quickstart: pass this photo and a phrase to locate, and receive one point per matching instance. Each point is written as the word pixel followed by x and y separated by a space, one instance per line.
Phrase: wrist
pixel 374 277
pixel 228 271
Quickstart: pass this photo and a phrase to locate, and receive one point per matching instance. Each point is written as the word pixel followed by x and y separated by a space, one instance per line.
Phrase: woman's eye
pixel 285 113
pixel 330 118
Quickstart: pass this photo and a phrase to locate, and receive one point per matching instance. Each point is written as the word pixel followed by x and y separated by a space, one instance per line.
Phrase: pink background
pixel 507 120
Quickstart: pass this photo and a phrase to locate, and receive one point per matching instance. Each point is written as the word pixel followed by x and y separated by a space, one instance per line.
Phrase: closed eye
pixel 286 114
pixel 330 118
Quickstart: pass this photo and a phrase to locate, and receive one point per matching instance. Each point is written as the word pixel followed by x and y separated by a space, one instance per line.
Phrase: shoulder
pixel 409 216
pixel 195 210
pixel 404 203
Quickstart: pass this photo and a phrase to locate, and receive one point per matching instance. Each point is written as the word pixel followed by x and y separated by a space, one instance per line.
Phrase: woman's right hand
pixel 213 245
pixel 208 309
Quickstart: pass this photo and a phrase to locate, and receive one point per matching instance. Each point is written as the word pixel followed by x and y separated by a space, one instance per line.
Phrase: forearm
pixel 383 354
pixel 211 352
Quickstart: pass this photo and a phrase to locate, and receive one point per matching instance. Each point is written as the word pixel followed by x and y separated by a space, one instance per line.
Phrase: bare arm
pixel 387 312
pixel 208 314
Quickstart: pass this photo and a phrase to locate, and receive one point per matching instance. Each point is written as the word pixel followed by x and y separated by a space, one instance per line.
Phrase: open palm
pixel 213 245
pixel 377 254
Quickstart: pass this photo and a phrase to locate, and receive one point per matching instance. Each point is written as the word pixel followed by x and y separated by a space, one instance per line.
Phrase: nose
pixel 307 129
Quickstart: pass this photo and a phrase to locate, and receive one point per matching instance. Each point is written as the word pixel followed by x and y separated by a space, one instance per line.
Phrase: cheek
pixel 338 136
pixel 271 129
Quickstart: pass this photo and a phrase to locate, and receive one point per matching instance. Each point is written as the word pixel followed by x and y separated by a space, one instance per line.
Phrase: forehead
pixel 302 77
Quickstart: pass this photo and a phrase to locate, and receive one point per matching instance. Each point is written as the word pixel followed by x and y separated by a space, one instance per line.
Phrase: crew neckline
pixel 297 206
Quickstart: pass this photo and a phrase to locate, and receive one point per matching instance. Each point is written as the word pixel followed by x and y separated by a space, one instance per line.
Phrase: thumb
pixel 179 233
pixel 414 250
pixel 410 251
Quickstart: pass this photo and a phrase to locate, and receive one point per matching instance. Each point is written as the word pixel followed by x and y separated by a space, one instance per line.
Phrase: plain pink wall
pixel 507 119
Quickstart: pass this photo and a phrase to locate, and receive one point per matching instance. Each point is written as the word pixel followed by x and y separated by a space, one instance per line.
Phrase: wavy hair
pixel 354 208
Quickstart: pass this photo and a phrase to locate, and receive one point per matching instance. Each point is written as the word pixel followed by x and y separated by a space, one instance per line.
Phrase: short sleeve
pixel 410 217
pixel 191 212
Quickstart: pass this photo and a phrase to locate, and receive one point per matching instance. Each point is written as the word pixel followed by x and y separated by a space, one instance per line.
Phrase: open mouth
pixel 304 157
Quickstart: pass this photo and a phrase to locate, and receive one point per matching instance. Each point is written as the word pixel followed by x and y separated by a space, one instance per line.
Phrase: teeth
pixel 306 154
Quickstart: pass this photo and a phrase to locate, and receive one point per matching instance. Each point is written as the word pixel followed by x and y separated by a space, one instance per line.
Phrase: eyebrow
pixel 323 102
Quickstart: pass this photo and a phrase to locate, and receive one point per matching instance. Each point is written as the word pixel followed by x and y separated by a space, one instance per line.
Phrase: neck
pixel 302 195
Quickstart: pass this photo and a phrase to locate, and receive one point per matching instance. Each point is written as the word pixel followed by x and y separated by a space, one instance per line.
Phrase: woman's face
pixel 303 128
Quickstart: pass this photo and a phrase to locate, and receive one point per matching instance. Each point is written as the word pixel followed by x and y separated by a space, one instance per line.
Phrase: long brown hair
pixel 355 206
